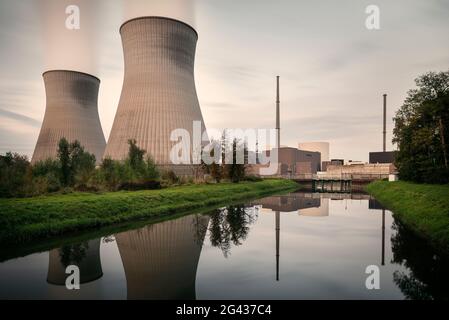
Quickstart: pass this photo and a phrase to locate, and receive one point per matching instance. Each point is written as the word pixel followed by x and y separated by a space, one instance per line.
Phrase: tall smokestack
pixel 158 94
pixel 278 113
pixel 385 124
pixel 71 112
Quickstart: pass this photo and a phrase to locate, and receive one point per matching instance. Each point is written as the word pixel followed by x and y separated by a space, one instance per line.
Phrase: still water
pixel 295 246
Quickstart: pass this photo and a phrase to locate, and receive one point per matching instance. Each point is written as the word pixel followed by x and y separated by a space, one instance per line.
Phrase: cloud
pixel 21 118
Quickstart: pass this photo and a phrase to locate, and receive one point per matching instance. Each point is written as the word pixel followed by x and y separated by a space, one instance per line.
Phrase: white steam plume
pixel 183 10
pixel 74 49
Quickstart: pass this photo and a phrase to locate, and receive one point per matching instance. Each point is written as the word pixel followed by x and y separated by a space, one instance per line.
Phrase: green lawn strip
pixel 423 208
pixel 23 220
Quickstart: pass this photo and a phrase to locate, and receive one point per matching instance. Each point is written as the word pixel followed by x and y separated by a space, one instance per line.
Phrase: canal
pixel 296 246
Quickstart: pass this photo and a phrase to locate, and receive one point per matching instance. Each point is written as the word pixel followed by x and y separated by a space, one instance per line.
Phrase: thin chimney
pixel 278 114
pixel 385 124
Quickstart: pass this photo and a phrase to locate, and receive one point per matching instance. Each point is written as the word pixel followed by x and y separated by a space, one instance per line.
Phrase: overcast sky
pixel 333 70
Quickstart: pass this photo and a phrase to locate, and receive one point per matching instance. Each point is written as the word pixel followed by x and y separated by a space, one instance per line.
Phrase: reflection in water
pixel 278 234
pixel 86 256
pixel 231 226
pixel 322 258
pixel 305 204
pixel 161 260
pixel 428 276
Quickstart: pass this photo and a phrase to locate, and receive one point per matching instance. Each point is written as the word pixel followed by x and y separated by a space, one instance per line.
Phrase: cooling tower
pixel 71 113
pixel 158 94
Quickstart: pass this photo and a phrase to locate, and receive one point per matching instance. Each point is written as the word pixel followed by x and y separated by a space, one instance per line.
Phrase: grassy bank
pixel 423 208
pixel 22 220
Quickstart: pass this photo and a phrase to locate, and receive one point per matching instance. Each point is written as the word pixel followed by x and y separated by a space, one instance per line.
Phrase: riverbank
pixel 423 208
pixel 23 220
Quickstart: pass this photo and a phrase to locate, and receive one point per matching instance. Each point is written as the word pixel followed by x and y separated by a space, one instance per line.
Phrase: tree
pixel 216 172
pixel 14 175
pixel 64 160
pixel 421 131
pixel 135 155
pixel 236 170
pixel 82 163
pixel 76 164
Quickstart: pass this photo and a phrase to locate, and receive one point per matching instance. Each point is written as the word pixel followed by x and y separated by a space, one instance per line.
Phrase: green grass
pixel 423 208
pixel 23 220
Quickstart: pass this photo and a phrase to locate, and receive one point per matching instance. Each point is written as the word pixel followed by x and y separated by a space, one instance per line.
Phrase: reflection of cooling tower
pixel 71 113
pixel 86 256
pixel 158 92
pixel 161 260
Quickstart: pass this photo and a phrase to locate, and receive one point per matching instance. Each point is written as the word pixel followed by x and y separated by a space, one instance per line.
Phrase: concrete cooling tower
pixel 158 94
pixel 71 113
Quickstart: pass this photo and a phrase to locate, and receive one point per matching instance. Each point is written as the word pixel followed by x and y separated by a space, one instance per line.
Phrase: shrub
pixel 15 175
pixel 170 177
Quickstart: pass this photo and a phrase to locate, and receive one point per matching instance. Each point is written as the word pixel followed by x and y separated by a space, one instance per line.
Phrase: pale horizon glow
pixel 333 70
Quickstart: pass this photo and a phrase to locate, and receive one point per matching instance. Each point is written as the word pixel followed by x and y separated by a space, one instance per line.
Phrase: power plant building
pixel 72 113
pixel 158 94
pixel 321 147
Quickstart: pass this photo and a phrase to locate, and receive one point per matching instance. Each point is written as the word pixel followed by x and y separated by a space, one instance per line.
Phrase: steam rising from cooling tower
pixel 182 10
pixel 71 113
pixel 70 49
pixel 158 94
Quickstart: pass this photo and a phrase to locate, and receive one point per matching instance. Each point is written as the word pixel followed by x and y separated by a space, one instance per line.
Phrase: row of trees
pixel 74 168
pixel 422 131
pixel 221 169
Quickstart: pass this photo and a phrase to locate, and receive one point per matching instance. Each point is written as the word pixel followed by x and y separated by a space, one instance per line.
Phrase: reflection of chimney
pixel 161 260
pixel 86 256
pixel 385 124
pixel 278 114
pixel 278 232
pixel 383 237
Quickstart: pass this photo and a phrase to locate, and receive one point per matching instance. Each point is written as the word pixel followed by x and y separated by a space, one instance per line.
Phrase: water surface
pixel 296 246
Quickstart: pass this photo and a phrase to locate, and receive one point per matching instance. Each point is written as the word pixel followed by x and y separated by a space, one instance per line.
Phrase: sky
pixel 333 70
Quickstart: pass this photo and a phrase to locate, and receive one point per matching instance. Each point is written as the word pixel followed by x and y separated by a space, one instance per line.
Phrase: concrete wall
pixel 72 113
pixel 361 169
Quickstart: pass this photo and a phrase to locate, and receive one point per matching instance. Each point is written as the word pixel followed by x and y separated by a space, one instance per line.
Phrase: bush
pixel 170 177
pixel 15 175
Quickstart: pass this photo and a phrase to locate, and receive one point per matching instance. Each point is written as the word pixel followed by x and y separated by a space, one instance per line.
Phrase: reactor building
pixel 158 94
pixel 71 112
